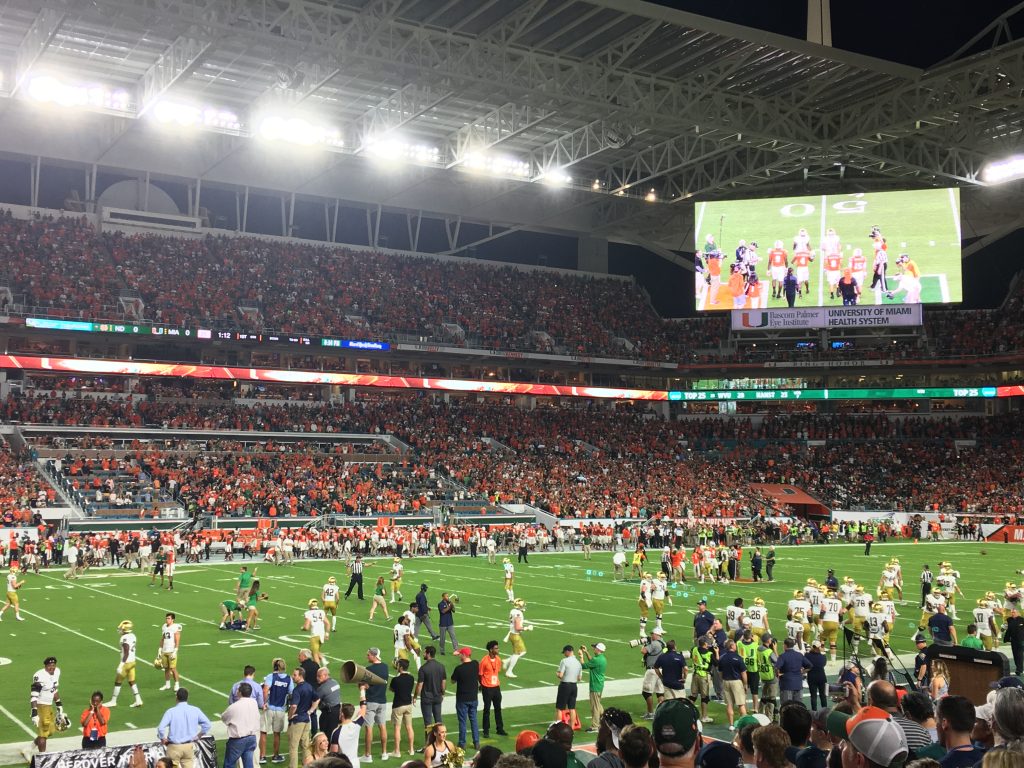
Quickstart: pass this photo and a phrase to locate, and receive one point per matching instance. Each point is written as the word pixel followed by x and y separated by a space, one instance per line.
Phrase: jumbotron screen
pixel 853 249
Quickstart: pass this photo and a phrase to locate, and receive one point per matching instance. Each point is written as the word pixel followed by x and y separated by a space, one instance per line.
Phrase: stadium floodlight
pixel 194 116
pixel 48 89
pixel 651 196
pixel 1010 169
pixel 394 149
pixel 498 165
pixel 298 130
pixel 556 178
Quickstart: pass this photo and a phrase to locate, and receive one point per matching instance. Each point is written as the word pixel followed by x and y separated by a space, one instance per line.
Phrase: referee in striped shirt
pixel 356 578
pixel 926 583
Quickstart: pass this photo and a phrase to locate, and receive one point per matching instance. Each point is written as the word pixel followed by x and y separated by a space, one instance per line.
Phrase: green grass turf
pixel 919 222
pixel 77 621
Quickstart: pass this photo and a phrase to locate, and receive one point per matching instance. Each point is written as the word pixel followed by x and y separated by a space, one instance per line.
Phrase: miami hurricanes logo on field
pixel 755 319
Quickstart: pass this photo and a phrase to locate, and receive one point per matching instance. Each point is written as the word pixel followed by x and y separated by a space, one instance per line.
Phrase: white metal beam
pixel 176 62
pixel 399 109
pixel 38 38
pixel 498 125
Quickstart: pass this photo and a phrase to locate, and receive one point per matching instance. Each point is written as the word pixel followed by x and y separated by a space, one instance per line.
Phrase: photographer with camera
pixel 704 657
pixel 768 675
pixel 652 686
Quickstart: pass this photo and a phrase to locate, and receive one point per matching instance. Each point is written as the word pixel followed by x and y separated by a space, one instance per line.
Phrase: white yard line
pixel 17 722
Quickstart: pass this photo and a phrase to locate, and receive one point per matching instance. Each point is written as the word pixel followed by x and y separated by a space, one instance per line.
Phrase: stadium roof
pixel 623 97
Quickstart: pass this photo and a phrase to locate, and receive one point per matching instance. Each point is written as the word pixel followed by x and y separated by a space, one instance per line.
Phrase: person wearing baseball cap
pixel 597 666
pixel 466 677
pixel 652 688
pixel 871 739
pixel 1006 682
pixel 676 732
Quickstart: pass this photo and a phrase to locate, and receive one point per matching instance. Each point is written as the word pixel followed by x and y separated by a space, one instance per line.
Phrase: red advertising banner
pixel 188 370
pixel 1013 534
pixel 1016 390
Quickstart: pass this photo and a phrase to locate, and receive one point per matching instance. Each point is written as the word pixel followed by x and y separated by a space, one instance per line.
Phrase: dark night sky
pixel 912 32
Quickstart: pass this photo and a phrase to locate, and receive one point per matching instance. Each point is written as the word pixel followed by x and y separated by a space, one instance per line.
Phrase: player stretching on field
pixel 170 641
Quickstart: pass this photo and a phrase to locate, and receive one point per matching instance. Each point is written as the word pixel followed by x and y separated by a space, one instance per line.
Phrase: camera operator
pixel 652 686
pixel 704 657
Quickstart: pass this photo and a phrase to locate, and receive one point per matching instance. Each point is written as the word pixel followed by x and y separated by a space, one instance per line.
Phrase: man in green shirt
pixel 596 665
pixel 244 584
pixel 972 640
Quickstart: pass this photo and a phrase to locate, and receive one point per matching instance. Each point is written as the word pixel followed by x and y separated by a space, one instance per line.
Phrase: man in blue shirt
pixel 423 614
pixel 302 703
pixel 792 667
pixel 277 687
pixel 954 719
pixel 670 666
pixel 702 621
pixel 941 627
pixel 180 726
pixel 247 677
pixel 446 610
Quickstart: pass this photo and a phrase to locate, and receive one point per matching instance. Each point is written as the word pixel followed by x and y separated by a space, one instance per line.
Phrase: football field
pixel 923 223
pixel 569 600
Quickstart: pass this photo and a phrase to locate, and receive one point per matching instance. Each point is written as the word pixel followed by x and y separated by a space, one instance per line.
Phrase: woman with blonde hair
pixel 318 748
pixel 379 601
pixel 940 680
pixel 438 745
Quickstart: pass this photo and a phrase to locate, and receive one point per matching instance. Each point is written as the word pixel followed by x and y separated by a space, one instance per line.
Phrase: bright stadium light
pixel 298 130
pixel 556 178
pixel 651 197
pixel 194 116
pixel 395 149
pixel 1010 169
pixel 499 165
pixel 47 89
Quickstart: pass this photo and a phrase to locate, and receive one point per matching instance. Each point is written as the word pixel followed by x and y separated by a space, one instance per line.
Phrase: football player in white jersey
pixel 889 609
pixel 983 617
pixel 894 564
pixel 795 630
pixel 846 590
pixel 13 585
pixel 758 615
pixel 397 569
pixel 799 602
pixel 329 594
pixel 47 710
pixel 734 616
pixel 170 641
pixel 516 626
pixel 402 634
pixel 659 593
pixel 813 617
pixel 126 665
pixel 831 616
pixel 510 577
pixel 644 601
pixel 877 629
pixel 887 583
pixel 316 624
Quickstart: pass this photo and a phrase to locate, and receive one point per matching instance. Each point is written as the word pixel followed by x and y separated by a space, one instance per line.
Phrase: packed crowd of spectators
pixel 582 461
pixel 246 283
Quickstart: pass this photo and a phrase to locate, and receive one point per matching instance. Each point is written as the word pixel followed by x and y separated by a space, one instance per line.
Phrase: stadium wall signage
pixel 886 316
pixel 192 371
pixel 120 757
